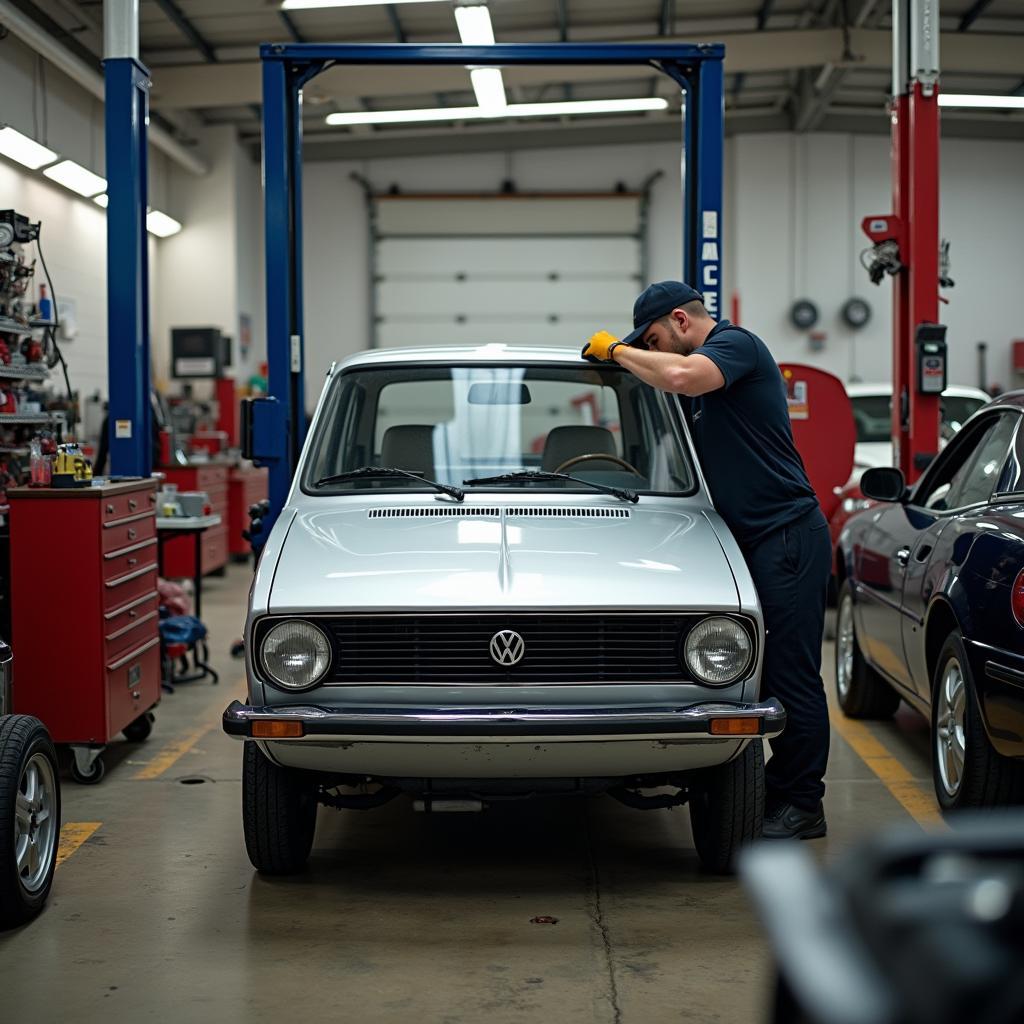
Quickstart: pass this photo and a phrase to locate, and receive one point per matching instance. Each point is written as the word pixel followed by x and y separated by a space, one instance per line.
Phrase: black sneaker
pixel 789 822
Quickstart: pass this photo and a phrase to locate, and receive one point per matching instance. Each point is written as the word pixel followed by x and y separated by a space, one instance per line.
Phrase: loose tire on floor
pixel 966 770
pixel 727 808
pixel 861 691
pixel 278 814
pixel 29 818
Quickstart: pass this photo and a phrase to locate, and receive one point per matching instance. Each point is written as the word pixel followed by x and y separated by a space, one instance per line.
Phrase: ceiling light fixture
pixel 161 225
pixel 76 177
pixel 981 101
pixel 312 5
pixel 24 150
pixel 489 87
pixel 475 28
pixel 570 107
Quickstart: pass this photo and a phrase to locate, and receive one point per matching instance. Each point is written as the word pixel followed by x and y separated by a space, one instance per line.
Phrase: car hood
pixel 366 557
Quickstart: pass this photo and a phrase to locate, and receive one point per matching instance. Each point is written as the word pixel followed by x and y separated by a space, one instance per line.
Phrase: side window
pixel 972 467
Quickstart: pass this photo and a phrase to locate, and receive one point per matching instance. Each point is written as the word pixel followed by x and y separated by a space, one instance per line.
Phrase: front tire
pixel 861 691
pixel 278 814
pixel 967 772
pixel 29 818
pixel 727 808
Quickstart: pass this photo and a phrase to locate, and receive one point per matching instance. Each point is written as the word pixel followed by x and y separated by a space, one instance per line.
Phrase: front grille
pixel 456 648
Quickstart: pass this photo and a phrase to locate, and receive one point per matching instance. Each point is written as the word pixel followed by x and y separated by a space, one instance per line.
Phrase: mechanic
pixel 735 402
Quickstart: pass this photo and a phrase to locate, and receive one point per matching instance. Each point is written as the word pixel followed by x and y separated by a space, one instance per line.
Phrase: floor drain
pixel 193 780
pixel 543 919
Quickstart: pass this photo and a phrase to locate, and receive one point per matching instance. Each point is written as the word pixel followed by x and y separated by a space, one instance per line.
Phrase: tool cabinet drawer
pixel 127 560
pixel 121 626
pixel 122 590
pixel 124 533
pixel 133 684
pixel 121 506
pixel 133 635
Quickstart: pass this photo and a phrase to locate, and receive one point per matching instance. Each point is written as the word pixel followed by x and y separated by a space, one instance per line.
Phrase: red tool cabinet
pixel 247 485
pixel 84 611
pixel 179 552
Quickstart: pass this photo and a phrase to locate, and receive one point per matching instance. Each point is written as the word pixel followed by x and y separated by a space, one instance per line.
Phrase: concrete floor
pixel 158 916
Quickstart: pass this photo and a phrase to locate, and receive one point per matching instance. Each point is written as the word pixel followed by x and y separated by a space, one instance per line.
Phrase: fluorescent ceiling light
pixel 159 224
pixel 312 5
pixel 26 151
pixel 991 102
pixel 76 177
pixel 475 28
pixel 489 87
pixel 102 200
pixel 511 110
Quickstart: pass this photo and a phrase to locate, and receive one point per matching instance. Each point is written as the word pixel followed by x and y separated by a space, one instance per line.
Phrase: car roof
pixel 877 390
pixel 495 353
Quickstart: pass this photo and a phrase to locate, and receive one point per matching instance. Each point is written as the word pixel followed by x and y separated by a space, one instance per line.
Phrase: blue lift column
pixel 279 425
pixel 128 372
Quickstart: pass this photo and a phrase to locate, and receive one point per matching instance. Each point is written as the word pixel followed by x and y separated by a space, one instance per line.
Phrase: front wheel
pixel 727 808
pixel 862 692
pixel 278 814
pixel 966 770
pixel 29 818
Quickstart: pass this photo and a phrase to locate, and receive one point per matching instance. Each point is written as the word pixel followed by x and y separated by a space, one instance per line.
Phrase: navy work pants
pixel 791 568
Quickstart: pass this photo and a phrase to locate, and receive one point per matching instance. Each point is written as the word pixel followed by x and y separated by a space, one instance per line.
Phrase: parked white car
pixel 871 413
pixel 499 574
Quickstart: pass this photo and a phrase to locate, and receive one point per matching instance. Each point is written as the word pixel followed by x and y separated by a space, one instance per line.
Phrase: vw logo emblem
pixel 507 647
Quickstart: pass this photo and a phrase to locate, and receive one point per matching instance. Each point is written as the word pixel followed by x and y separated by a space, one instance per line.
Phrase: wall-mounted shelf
pixel 35 372
pixel 9 326
pixel 16 418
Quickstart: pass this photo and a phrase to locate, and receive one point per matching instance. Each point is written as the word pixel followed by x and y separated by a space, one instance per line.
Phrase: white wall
pixel 51 108
pixel 792 229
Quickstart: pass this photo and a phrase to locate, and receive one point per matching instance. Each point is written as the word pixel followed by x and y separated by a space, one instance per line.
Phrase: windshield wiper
pixel 539 474
pixel 383 472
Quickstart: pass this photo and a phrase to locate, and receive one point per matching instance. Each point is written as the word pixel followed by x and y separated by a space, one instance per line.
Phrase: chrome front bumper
pixel 500 725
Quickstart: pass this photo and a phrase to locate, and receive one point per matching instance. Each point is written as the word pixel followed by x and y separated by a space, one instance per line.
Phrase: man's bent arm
pixel 691 375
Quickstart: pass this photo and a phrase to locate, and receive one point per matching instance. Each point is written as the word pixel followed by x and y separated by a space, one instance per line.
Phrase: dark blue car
pixel 931 606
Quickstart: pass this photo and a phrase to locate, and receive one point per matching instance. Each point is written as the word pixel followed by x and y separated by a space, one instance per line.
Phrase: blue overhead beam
pixel 697 68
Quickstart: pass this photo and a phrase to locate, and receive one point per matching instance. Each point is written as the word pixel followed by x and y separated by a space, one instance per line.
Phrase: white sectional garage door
pixel 546 270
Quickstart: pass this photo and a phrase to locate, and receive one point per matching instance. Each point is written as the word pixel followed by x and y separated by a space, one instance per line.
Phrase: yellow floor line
pixel 171 753
pixel 917 801
pixel 72 835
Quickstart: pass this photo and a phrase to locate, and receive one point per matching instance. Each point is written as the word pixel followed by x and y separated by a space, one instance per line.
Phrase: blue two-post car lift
pixel 278 424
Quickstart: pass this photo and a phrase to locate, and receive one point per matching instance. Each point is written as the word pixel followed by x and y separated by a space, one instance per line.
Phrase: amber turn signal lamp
pixel 276 730
pixel 735 726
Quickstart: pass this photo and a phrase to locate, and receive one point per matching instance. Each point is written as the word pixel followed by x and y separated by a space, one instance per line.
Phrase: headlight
pixel 718 651
pixel 296 654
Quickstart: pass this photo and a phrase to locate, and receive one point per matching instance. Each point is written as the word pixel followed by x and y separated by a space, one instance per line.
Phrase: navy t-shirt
pixel 744 439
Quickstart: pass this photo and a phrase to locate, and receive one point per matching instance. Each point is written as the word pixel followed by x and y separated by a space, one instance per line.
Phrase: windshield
pixel 871 415
pixel 452 424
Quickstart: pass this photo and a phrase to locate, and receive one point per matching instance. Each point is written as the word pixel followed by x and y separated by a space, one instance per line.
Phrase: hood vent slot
pixel 432 512
pixel 559 512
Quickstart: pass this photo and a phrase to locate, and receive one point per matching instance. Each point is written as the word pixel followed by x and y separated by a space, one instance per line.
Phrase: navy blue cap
pixel 656 301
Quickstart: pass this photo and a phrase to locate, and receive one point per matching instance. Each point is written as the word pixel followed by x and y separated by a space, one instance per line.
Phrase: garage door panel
pixel 556 215
pixel 536 300
pixel 570 332
pixel 480 258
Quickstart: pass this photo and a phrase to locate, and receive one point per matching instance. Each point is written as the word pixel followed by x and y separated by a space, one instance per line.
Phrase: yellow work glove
pixel 600 347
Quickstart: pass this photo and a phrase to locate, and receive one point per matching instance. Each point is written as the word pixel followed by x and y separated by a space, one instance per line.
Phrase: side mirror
pixel 263 430
pixel 883 483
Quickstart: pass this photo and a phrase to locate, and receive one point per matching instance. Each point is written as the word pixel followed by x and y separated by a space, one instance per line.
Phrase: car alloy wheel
pixel 950 739
pixel 845 639
pixel 35 824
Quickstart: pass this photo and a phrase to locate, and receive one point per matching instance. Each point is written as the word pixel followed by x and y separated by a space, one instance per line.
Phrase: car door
pixel 947 505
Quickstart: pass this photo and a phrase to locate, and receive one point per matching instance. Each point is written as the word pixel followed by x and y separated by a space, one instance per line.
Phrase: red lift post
pixel 907 241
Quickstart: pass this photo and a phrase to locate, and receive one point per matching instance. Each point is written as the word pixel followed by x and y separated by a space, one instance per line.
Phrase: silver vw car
pixel 499 574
